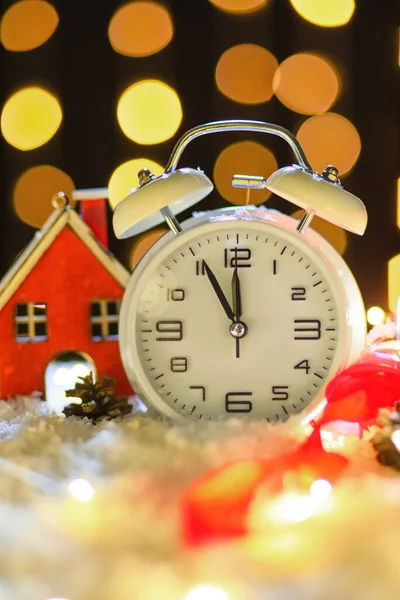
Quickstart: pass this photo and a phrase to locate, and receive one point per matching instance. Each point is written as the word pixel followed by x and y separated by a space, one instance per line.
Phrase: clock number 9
pixel 238 406
pixel 174 328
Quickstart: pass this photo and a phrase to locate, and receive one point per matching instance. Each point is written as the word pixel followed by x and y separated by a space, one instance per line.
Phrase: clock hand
pixel 236 295
pixel 220 294
pixel 237 304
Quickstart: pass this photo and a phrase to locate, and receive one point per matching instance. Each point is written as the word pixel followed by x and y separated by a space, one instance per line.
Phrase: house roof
pixel 60 218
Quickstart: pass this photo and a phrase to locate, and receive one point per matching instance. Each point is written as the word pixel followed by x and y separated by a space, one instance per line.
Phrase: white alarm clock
pixel 240 311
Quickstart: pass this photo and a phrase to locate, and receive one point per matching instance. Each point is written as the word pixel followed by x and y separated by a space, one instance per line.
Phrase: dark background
pixel 80 67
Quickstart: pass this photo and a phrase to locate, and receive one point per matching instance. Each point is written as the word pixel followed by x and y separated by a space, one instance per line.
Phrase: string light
pixel 376 315
pixel 395 437
pixel 207 592
pixel 320 489
pixel 81 490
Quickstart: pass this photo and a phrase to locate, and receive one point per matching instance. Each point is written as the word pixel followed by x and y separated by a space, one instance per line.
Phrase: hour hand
pixel 220 294
pixel 236 295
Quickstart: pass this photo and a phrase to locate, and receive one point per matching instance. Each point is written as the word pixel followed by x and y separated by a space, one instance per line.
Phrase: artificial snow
pixel 125 544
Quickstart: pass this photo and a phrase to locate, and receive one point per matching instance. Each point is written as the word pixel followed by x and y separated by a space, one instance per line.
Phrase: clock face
pixel 233 318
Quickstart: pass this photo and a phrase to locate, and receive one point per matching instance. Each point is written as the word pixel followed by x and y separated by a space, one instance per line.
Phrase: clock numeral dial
pixel 199 387
pixel 298 293
pixel 238 406
pixel 174 329
pixel 304 364
pixel 240 258
pixel 177 295
pixel 179 364
pixel 200 267
pixel 307 329
pixel 279 392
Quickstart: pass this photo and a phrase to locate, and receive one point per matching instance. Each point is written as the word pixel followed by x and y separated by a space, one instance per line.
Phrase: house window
pixel 104 315
pixel 31 322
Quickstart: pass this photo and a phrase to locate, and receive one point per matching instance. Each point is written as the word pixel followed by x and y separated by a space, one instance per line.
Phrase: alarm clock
pixel 241 311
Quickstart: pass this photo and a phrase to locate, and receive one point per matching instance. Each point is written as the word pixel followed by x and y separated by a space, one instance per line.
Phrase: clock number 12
pixel 241 257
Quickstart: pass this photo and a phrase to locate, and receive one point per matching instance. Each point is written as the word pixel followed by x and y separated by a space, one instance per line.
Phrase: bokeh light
pixel 207 592
pixel 320 489
pixel 140 29
pixel 239 6
pixel 395 437
pixel 306 83
pixel 393 282
pixel 330 139
pixel 125 178
pixel 333 234
pixel 245 158
pixel 145 241
pixel 244 73
pixel 27 25
pixel 34 190
pixel 376 315
pixel 149 112
pixel 325 14
pixel 81 490
pixel 398 203
pixel 30 118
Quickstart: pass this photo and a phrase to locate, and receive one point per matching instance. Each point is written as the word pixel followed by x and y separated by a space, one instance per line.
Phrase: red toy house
pixel 60 302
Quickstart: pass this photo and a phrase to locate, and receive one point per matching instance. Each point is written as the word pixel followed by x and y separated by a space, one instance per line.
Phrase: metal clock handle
pixel 239 125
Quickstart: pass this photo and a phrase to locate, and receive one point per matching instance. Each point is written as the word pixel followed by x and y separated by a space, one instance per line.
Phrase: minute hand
pixel 220 294
pixel 236 295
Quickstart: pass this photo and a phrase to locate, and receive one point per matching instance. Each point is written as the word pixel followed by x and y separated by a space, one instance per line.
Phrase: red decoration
pixel 360 391
pixel 65 268
pixel 216 505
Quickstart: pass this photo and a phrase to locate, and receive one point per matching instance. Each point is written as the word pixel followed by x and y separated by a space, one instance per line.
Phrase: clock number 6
pixel 238 406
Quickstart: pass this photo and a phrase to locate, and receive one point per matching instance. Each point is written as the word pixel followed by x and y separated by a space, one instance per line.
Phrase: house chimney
pixel 93 210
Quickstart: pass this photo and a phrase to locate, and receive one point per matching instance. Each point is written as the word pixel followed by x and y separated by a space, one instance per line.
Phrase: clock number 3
pixel 174 329
pixel 307 329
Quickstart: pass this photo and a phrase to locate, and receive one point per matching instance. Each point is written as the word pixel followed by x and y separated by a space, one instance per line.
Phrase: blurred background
pixel 92 91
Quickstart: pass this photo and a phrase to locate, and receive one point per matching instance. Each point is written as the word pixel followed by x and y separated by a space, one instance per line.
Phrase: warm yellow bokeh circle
pixel 125 178
pixel 239 6
pixel 30 118
pixel 330 139
pixel 140 29
pixel 27 25
pixel 332 13
pixel 244 158
pixel 393 283
pixel 376 315
pixel 306 83
pixel 34 190
pixel 149 112
pixel 142 245
pixel 244 73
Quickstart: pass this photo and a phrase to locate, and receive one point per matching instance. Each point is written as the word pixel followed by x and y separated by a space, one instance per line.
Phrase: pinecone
pixel 98 399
